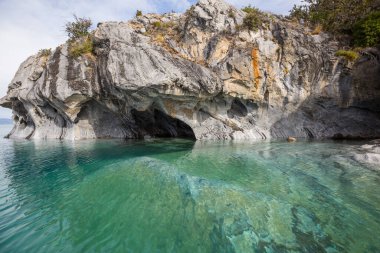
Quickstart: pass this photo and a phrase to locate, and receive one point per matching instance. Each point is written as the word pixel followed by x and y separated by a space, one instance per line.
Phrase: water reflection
pixel 179 196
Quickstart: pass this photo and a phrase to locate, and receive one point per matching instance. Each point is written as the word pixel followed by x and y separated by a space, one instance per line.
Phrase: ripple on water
pixel 180 196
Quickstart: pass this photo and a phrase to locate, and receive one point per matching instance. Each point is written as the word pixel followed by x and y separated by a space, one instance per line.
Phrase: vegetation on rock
pixel 317 29
pixel 44 52
pixel 253 18
pixel 348 54
pixel 159 30
pixel 231 13
pixel 357 18
pixel 211 71
pixel 367 31
pixel 157 24
pixel 80 39
pixel 44 55
pixel 138 13
pixel 78 28
pixel 189 12
pixel 81 47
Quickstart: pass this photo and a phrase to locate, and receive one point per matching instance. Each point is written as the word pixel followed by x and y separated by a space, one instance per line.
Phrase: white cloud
pixel 29 25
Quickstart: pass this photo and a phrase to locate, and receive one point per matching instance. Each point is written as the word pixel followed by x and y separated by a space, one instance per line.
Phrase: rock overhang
pixel 198 68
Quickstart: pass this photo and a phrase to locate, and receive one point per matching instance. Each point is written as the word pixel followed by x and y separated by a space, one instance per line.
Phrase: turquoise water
pixel 180 196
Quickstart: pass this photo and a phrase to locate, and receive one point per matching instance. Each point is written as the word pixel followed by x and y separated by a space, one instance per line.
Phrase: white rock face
pixel 198 75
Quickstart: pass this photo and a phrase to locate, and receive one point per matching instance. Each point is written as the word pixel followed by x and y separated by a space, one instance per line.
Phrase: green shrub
pixel 250 9
pixel 169 25
pixel 367 31
pixel 79 28
pixel 81 47
pixel 299 12
pixel 231 13
pixel 157 24
pixel 251 22
pixel 253 18
pixel 338 16
pixel 44 52
pixel 138 13
pixel 348 54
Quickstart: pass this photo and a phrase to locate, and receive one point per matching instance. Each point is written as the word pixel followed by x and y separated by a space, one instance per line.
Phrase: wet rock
pixel 370 154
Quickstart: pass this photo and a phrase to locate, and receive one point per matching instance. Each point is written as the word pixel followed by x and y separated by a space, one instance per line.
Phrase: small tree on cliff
pixel 139 13
pixel 80 40
pixel 79 28
pixel 253 18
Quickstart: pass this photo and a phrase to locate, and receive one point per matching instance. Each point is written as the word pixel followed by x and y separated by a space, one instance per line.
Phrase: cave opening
pixel 155 123
pixel 237 109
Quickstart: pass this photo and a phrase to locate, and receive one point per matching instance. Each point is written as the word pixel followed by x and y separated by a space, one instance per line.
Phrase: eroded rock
pixel 198 75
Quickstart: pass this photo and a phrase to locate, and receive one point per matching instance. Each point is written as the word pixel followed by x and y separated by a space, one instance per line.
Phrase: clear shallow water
pixel 180 196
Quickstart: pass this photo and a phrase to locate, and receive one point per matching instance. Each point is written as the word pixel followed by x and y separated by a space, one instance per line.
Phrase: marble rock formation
pixel 199 75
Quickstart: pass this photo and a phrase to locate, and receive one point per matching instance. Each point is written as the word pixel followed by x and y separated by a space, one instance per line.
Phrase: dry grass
pixel 159 38
pixel 81 47
pixel 348 54
pixel 317 29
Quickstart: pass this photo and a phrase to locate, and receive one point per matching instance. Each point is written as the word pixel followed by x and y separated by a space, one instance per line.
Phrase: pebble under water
pixel 174 195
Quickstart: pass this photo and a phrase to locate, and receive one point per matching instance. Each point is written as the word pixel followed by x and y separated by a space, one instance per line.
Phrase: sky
pixel 30 25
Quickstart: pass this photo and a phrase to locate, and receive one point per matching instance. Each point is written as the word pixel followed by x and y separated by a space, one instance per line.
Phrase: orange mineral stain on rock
pixel 255 65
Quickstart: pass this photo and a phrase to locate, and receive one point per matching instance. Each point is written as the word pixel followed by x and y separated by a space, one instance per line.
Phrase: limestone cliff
pixel 199 75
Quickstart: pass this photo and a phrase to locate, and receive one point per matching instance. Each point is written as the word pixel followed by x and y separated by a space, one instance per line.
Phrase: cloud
pixel 30 25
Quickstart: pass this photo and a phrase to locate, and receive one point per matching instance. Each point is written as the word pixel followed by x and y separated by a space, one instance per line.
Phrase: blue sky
pixel 29 25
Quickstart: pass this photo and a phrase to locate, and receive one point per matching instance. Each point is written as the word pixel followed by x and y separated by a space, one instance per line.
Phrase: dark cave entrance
pixel 155 123
pixel 237 109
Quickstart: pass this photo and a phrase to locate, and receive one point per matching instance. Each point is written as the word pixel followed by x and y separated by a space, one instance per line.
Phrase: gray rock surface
pixel 198 75
pixel 369 154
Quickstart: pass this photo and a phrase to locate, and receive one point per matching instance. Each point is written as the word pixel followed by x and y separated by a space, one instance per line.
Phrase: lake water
pixel 181 196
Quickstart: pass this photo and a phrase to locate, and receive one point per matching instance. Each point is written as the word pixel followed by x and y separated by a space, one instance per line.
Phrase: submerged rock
pixel 198 75
pixel 234 219
pixel 370 154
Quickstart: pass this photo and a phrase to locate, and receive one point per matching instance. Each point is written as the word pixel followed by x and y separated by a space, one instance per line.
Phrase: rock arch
pixel 155 123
